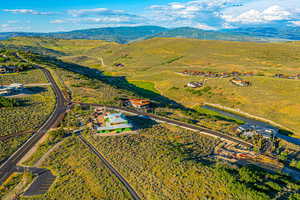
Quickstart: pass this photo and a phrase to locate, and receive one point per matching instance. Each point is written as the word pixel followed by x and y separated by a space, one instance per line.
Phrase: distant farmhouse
pixel 250 130
pixel 240 82
pixel 138 103
pixel 195 84
pixel 119 65
pixel 12 89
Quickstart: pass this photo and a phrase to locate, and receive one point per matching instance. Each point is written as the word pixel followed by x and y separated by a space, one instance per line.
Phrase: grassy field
pixel 80 175
pixel 164 162
pixel 152 65
pixel 276 99
pixel 26 77
pixel 145 85
pixel 10 184
pixel 32 112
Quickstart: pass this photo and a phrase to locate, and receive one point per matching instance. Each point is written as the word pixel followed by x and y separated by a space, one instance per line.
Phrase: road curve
pixel 178 123
pixel 111 168
pixel 9 166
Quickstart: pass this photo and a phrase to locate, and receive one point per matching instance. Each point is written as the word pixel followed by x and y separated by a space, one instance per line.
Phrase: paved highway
pixel 111 168
pixel 9 166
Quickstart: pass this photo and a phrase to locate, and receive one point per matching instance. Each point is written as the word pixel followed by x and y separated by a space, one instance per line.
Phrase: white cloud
pixel 204 27
pixel 94 11
pixel 296 23
pixel 204 14
pixel 273 13
pixel 9 27
pixel 27 11
pixel 57 21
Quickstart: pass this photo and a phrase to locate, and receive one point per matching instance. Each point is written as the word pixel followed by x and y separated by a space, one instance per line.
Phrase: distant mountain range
pixel 129 34
pixel 284 32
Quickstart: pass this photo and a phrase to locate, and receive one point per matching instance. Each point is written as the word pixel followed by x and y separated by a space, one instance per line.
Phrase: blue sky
pixel 66 15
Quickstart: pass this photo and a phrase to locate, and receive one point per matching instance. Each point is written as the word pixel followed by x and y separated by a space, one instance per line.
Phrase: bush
pixel 5 102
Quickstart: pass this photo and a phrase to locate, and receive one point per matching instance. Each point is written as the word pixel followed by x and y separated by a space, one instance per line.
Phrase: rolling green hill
pixel 187 32
pixel 125 35
pixel 155 62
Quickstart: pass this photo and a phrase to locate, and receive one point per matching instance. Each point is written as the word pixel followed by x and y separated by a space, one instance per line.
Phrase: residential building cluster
pixel 287 76
pixel 216 74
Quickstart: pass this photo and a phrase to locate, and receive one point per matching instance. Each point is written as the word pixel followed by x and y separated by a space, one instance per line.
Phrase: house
pixel 195 84
pixel 9 69
pixel 240 82
pixel 13 69
pixel 119 65
pixel 12 89
pixel 114 122
pixel 139 103
pixel 250 130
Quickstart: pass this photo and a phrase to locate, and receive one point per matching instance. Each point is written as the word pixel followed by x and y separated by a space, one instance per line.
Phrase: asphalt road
pixel 179 124
pixel 9 166
pixel 41 183
pixel 111 168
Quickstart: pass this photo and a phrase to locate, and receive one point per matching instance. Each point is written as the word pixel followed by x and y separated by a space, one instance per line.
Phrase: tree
pixel 5 102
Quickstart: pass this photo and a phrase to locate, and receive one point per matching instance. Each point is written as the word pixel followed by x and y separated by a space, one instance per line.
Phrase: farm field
pixel 24 119
pixel 164 162
pixel 153 65
pixel 80 175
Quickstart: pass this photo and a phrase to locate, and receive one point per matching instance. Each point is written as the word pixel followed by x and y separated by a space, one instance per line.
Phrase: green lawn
pixel 145 85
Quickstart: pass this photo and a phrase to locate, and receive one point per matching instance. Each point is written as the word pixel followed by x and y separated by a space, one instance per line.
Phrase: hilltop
pixel 125 35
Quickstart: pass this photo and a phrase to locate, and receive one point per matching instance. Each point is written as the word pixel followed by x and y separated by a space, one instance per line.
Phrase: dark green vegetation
pixel 10 58
pixel 6 102
pixel 169 163
pixel 80 175
pixel 129 34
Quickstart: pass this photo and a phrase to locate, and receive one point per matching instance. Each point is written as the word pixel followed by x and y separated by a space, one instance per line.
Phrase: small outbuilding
pixel 195 84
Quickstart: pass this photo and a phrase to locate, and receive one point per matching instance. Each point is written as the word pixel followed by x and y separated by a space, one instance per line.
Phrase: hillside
pixel 187 32
pixel 125 35
pixel 155 62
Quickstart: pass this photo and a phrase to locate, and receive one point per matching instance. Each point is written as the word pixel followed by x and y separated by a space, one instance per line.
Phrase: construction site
pixel 233 153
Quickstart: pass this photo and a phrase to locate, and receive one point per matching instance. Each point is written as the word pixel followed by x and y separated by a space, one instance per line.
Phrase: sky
pixel 67 15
